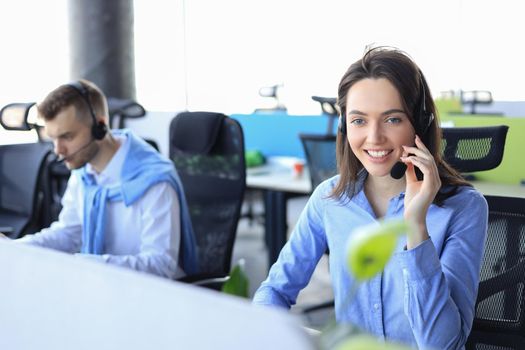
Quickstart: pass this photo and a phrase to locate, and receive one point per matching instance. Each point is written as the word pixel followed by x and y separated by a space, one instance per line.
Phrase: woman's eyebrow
pixel 393 110
pixel 390 111
pixel 355 111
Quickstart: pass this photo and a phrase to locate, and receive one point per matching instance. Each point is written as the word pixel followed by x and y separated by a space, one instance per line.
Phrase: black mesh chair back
pixel 21 174
pixel 500 307
pixel 121 109
pixel 319 151
pixel 474 149
pixel 56 176
pixel 208 152
pixel 330 109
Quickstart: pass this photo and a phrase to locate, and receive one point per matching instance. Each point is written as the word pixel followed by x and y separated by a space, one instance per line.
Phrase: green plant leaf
pixel 237 284
pixel 370 247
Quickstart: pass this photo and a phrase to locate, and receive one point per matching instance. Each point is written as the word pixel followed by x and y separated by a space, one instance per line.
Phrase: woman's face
pixel 377 125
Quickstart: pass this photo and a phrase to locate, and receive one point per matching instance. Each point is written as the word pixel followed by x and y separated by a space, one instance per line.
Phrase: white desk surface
pixel 281 178
pixel 497 189
pixel 278 178
pixel 52 300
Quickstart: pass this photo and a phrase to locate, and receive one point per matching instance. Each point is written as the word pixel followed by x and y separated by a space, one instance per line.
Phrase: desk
pixel 278 185
pixel 69 302
pixel 498 189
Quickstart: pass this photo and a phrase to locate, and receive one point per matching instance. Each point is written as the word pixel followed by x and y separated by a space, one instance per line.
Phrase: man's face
pixel 72 138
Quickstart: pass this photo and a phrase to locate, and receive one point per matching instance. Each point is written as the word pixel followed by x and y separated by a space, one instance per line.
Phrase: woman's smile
pixel 378 155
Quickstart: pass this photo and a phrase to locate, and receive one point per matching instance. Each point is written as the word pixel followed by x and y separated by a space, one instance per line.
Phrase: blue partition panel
pixel 277 134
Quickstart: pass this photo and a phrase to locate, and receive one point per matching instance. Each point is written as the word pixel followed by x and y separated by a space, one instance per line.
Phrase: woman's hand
pixel 419 194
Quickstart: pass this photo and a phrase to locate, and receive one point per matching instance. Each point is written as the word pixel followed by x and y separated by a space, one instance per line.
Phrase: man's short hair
pixel 66 95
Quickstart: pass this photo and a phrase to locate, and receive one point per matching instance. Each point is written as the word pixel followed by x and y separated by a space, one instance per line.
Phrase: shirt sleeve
pixel 441 288
pixel 65 234
pixel 297 260
pixel 159 235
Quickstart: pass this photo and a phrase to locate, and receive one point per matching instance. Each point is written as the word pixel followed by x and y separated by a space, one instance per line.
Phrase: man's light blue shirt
pixel 424 297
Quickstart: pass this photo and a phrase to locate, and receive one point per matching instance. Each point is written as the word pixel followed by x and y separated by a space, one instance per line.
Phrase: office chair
pixel 319 151
pixel 208 152
pixel 474 148
pixel 22 169
pixel 499 321
pixel 22 175
pixel 330 109
pixel 121 109
pixel 271 92
pixel 477 97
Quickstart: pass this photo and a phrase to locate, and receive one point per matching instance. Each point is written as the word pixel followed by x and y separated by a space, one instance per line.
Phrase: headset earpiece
pixel 99 129
pixel 425 118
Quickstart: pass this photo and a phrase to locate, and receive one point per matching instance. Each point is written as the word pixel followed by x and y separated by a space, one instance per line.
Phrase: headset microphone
pixel 63 159
pixel 398 170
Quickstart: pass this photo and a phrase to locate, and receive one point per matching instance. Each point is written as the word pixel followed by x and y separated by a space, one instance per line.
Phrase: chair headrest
pixel 125 107
pixel 195 132
pixel 14 116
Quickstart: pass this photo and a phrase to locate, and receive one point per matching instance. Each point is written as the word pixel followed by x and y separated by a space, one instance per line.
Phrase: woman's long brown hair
pixel 399 69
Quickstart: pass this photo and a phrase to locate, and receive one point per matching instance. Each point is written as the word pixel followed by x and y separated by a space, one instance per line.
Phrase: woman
pixel 426 293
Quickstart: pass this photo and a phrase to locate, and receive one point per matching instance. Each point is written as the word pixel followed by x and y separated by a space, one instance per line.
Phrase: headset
pixel 99 129
pixel 425 120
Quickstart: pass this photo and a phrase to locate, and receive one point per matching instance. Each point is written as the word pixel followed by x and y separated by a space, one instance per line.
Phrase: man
pixel 124 203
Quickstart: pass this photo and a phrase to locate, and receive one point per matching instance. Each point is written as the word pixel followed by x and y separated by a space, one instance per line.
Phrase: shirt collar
pixel 360 190
pixel 111 173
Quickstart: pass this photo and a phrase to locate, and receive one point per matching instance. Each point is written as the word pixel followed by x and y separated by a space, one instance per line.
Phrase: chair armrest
pixel 508 279
pixel 6 230
pixel 206 281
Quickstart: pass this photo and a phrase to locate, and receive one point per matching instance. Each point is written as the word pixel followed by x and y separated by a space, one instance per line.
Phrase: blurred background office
pixel 215 55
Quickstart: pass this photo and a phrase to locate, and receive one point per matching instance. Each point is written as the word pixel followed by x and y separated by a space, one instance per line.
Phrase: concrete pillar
pixel 102 45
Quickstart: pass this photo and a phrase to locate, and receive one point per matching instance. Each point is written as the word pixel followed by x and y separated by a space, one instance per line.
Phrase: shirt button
pixel 376 306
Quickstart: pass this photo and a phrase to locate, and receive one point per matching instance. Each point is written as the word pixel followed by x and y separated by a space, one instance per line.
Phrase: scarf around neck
pixel 143 168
